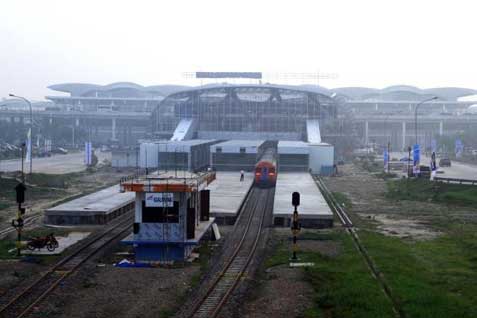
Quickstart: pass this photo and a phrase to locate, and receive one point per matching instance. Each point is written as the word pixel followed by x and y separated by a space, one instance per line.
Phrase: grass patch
pixel 8 195
pixel 426 190
pixel 369 164
pixel 343 284
pixel 43 231
pixel 204 256
pixel 343 200
pixel 4 205
pixel 52 180
pixel 7 189
pixel 5 246
pixel 434 278
pixel 386 176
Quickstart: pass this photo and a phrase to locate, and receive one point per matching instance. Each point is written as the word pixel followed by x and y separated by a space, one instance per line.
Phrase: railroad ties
pixel 250 224
pixel 21 304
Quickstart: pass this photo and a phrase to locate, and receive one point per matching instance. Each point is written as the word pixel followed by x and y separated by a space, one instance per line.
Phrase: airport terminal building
pixel 254 112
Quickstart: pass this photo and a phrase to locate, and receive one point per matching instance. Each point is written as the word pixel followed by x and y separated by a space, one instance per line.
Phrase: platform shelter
pixel 171 215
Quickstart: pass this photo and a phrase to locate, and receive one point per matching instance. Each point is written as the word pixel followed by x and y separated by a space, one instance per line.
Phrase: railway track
pixel 22 303
pixel 251 223
pixel 348 225
pixel 28 221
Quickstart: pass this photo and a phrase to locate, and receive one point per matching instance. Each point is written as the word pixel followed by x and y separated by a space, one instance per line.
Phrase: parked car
pixel 60 150
pixel 444 162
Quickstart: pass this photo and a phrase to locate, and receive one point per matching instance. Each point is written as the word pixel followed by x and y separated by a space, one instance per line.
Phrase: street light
pixel 31 128
pixel 415 113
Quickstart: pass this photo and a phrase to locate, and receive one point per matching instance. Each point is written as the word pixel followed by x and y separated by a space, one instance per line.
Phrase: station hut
pixel 171 215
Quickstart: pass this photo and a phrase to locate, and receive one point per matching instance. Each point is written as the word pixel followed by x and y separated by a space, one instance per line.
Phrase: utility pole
pixel 389 155
pixel 415 113
pixel 20 198
pixel 31 128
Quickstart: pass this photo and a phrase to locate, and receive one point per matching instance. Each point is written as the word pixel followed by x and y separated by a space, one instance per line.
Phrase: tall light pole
pixel 415 113
pixel 31 128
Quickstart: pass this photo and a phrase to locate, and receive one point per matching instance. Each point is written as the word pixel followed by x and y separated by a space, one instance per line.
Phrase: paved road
pixel 56 164
pixel 456 170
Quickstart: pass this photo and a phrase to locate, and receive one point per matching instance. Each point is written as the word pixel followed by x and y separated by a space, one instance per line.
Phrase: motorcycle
pixel 48 241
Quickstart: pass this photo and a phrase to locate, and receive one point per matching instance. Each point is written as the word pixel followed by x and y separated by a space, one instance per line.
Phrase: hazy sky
pixel 366 43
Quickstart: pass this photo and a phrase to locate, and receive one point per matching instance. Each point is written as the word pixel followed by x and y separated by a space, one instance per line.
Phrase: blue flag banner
pixel 416 154
pixel 459 148
pixel 88 153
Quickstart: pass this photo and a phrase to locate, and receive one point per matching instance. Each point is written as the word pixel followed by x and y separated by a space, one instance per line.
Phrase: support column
pixel 77 122
pixel 403 135
pixel 366 132
pixel 441 128
pixel 113 129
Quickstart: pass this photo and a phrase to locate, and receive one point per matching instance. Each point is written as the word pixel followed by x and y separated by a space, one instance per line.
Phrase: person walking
pixel 242 176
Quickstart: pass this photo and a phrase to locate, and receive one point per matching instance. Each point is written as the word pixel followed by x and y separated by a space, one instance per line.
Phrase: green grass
pixel 426 190
pixel 7 191
pixel 343 284
pixel 204 256
pixel 4 205
pixel 435 278
pixel 52 180
pixel 343 200
pixel 5 246
pixel 386 176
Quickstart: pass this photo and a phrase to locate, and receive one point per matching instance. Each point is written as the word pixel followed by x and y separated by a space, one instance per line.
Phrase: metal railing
pixel 455 180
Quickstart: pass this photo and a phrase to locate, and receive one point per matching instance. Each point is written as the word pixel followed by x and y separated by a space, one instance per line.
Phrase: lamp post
pixel 415 113
pixel 31 127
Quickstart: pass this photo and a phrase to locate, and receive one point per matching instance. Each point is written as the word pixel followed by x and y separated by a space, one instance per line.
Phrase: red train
pixel 266 169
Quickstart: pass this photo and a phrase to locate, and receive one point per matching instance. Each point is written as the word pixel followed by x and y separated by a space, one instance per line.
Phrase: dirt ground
pixel 281 291
pixel 404 219
pixel 109 291
pixel 16 275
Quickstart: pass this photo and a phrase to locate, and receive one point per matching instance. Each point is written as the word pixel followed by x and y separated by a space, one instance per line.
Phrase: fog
pixel 366 43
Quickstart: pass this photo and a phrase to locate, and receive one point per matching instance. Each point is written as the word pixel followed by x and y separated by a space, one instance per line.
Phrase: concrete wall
pixel 321 155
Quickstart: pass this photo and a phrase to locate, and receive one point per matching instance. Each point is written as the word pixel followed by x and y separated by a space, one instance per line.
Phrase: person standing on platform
pixel 242 176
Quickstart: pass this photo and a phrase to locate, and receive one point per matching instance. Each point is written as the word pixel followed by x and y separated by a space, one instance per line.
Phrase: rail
pixel 348 224
pixel 228 278
pixel 23 302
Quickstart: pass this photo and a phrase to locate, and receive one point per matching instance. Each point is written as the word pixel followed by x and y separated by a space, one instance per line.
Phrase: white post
pixel 441 128
pixel 113 128
pixel 404 135
pixel 366 132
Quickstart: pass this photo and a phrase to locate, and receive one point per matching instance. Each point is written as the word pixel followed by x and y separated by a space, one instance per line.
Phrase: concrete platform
pixel 96 208
pixel 313 211
pixel 227 194
pixel 63 243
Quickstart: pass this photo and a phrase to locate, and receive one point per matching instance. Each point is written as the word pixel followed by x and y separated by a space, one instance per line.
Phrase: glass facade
pixel 257 109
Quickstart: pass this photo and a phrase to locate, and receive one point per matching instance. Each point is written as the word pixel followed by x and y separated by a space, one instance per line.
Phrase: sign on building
pixel 254 75
pixel 161 199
